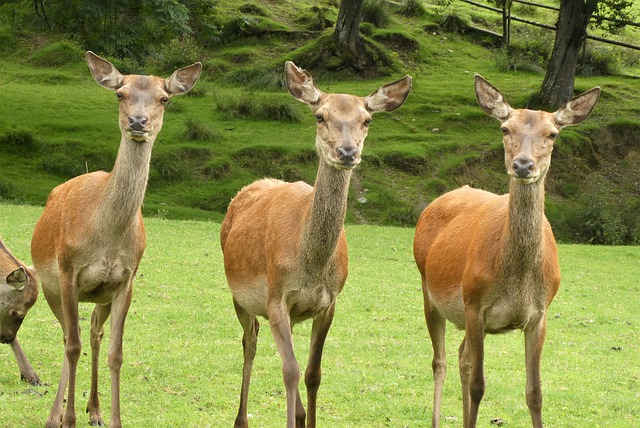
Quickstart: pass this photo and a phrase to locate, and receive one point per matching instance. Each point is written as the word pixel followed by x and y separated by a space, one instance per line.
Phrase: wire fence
pixel 507 18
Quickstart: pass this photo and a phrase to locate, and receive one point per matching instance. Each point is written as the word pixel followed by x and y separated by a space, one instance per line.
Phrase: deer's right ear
pixel 17 279
pixel 300 84
pixel 491 100
pixel 104 72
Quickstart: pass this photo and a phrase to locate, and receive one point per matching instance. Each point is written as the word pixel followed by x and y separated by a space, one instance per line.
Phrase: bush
pixel 19 142
pixel 413 8
pixel 197 131
pixel 253 106
pixel 376 12
pixel 177 53
pixel 58 54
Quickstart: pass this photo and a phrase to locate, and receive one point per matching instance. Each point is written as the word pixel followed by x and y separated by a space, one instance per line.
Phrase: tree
pixel 571 32
pixel 347 31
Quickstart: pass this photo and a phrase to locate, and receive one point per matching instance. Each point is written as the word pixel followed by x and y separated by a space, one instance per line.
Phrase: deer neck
pixel 126 185
pixel 325 216
pixel 524 239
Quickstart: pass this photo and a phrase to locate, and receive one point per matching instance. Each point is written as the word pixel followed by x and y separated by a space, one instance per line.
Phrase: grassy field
pixel 183 353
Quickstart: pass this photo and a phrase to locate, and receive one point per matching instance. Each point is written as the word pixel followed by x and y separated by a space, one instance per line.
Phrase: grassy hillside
pixel 183 352
pixel 240 124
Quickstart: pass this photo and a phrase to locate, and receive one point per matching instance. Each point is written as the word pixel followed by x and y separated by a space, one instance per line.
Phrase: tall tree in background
pixel 571 32
pixel 347 31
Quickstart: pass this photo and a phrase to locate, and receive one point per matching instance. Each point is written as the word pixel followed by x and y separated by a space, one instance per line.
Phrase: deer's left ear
pixel 578 108
pixel 105 73
pixel 300 84
pixel 183 79
pixel 17 279
pixel 390 96
pixel 490 99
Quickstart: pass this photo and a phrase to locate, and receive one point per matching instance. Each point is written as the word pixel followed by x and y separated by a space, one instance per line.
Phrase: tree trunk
pixel 347 32
pixel 571 31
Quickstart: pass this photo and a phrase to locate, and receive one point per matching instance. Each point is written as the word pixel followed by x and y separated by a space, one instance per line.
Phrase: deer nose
pixel 523 167
pixel 137 123
pixel 347 154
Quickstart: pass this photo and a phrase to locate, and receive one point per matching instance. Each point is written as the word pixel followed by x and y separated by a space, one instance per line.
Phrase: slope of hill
pixel 240 124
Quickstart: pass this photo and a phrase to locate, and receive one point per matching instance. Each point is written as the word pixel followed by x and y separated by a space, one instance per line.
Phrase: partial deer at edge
pixel 89 241
pixel 18 293
pixel 489 263
pixel 284 246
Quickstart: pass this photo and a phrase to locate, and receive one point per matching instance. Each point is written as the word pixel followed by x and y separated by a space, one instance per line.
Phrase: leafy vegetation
pixel 240 123
pixel 183 351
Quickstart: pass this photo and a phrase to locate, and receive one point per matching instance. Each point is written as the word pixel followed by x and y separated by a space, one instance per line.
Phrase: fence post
pixel 506 23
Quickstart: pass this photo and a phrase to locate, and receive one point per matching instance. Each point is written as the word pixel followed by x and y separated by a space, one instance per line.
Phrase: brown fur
pixel 284 246
pixel 489 263
pixel 18 293
pixel 90 238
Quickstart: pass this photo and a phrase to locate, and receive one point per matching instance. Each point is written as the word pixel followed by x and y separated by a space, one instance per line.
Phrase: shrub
pixel 247 106
pixel 177 53
pixel 413 8
pixel 19 142
pixel 376 12
pixel 197 131
pixel 57 54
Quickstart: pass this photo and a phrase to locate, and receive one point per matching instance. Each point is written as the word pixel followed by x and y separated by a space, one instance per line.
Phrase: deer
pixel 284 244
pixel 489 263
pixel 88 243
pixel 18 294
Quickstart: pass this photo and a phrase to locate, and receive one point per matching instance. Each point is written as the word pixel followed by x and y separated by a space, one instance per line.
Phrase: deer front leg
pixel 251 327
pixel 281 330
pixel 72 345
pixel 55 416
pixel 27 372
pixel 533 343
pixel 473 357
pixel 313 374
pixel 119 309
pixel 98 317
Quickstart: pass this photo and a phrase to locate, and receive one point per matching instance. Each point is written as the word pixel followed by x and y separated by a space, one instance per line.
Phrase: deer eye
pixel 164 100
pixel 504 130
pixel 120 96
pixel 553 135
pixel 319 118
pixel 367 121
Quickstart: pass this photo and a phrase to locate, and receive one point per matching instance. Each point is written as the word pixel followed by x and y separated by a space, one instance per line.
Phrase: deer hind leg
pixel 534 341
pixel 436 324
pixel 281 330
pixel 313 373
pixel 98 318
pixel 72 345
pixel 119 309
pixel 27 372
pixel 251 327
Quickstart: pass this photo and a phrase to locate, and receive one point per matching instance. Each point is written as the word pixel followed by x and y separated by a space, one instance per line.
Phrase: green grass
pixel 183 356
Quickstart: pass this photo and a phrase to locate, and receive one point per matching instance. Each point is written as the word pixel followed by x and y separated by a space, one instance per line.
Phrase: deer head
pixel 343 120
pixel 141 110
pixel 18 293
pixel 529 135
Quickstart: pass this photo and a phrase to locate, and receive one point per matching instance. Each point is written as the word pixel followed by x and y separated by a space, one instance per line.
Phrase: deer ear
pixel 491 100
pixel 578 108
pixel 300 84
pixel 183 79
pixel 104 72
pixel 390 96
pixel 17 279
